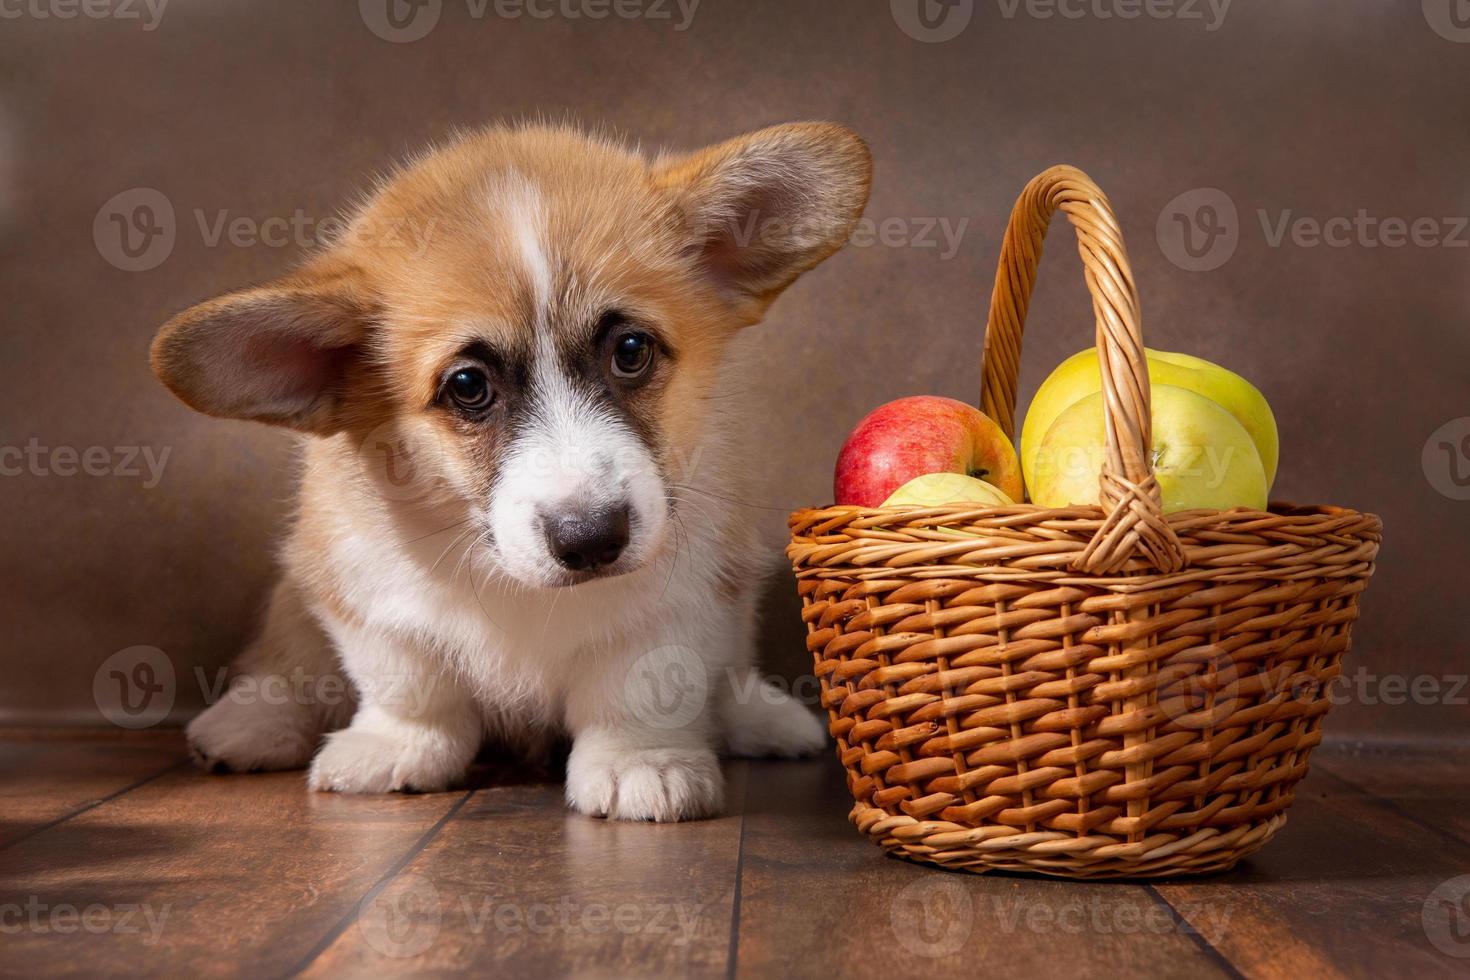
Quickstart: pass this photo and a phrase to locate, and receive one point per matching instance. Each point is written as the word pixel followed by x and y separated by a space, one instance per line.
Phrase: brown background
pixel 260 108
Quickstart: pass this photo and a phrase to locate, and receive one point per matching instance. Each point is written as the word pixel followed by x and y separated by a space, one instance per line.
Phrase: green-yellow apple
pixel 941 489
pixel 924 434
pixel 1204 459
pixel 1079 375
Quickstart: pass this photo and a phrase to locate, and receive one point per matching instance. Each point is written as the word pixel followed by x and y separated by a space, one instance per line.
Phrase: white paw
pixel 765 721
pixel 643 784
pixel 246 736
pixel 359 759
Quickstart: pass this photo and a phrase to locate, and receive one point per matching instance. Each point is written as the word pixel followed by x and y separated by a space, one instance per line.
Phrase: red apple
pixel 924 434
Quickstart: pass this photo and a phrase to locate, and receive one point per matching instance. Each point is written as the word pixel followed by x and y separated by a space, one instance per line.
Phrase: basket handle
pixel 1128 491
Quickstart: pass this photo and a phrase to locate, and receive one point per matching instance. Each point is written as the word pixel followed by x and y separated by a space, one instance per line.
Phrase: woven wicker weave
pixel 1088 692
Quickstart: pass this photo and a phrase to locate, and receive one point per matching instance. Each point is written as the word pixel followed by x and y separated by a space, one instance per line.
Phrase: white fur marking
pixel 523 207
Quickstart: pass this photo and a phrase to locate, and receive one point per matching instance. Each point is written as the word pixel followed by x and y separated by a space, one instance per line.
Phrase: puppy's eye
pixel 632 355
pixel 470 389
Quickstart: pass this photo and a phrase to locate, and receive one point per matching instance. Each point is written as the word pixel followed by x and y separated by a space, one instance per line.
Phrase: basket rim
pixel 1024 543
pixel 1084 512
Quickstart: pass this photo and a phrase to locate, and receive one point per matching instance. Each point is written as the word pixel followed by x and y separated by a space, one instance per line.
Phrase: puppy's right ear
pixel 284 354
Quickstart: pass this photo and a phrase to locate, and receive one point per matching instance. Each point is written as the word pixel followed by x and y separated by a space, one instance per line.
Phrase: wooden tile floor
pixel 117 859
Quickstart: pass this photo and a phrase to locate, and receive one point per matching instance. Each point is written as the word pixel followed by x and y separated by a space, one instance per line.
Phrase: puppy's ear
pixel 760 210
pixel 283 353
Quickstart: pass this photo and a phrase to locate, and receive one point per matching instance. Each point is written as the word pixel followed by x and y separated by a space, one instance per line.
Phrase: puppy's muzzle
pixel 587 540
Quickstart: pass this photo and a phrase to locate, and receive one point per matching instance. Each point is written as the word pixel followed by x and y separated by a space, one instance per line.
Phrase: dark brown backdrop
pixel 1308 109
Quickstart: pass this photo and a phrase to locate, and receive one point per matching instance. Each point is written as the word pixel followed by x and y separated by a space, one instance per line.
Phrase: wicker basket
pixel 1090 692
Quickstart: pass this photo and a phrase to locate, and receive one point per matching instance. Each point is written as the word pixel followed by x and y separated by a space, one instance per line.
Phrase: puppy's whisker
pixel 431 534
pixel 674 555
pixel 699 507
pixel 480 600
pixel 732 500
pixel 546 626
pixel 468 557
pixel 457 539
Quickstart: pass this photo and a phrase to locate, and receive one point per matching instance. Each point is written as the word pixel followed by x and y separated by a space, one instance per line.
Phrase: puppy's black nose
pixel 587 540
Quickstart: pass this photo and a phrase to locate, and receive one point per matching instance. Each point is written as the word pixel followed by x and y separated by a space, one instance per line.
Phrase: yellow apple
pixel 1204 459
pixel 1079 376
pixel 942 489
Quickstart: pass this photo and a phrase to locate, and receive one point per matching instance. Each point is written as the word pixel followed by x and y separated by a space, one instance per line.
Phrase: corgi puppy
pixel 520 375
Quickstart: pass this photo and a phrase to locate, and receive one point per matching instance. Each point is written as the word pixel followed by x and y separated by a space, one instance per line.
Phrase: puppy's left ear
pixel 759 210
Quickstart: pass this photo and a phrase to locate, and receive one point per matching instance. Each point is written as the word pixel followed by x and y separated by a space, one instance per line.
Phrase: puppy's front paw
pixel 246 736
pixel 769 723
pixel 644 784
pixel 369 760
